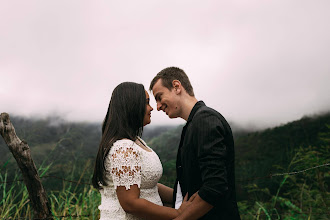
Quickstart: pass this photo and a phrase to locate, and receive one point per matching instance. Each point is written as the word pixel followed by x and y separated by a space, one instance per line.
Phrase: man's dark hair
pixel 173 73
pixel 124 119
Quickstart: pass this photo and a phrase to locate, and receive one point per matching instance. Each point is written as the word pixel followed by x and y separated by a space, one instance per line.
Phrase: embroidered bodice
pixel 128 164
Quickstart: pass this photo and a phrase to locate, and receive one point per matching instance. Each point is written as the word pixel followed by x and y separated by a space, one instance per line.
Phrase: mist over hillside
pixel 55 141
pixel 49 129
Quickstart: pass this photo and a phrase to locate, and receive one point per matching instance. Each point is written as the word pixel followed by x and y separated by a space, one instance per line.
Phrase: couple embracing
pixel 127 171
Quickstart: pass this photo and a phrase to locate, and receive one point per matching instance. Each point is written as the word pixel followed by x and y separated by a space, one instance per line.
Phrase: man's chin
pixel 172 116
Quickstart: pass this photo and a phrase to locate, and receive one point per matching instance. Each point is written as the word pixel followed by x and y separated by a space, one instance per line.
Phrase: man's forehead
pixel 159 83
pixel 157 87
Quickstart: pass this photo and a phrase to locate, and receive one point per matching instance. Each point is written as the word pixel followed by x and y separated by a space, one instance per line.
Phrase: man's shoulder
pixel 209 116
pixel 205 111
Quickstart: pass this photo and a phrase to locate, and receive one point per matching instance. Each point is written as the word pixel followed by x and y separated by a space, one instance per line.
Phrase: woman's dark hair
pixel 124 119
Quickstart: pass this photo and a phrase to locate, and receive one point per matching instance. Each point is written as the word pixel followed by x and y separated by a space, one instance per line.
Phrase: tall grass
pixel 299 197
pixel 302 196
pixel 69 203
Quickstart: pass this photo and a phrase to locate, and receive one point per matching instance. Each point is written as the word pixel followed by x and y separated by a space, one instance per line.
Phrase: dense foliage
pixel 67 151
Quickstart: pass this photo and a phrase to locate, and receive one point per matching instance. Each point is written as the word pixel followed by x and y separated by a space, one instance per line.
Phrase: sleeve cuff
pixel 210 196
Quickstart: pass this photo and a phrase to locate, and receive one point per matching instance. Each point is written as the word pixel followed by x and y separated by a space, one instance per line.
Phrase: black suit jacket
pixel 205 162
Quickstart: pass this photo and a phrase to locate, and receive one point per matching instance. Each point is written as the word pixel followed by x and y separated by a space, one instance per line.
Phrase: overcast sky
pixel 257 62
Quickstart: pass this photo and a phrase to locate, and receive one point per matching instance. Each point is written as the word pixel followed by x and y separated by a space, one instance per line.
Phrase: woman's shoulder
pixel 123 143
pixel 127 144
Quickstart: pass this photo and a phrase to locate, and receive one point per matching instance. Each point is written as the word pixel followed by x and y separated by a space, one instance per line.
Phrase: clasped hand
pixel 186 203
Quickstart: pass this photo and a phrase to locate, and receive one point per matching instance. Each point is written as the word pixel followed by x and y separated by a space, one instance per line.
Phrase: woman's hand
pixel 186 203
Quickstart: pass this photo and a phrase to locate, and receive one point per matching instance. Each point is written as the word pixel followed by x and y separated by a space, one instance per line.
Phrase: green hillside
pixel 270 151
pixel 67 150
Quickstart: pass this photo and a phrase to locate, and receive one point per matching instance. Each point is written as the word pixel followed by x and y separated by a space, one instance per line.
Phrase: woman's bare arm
pixel 165 193
pixel 131 202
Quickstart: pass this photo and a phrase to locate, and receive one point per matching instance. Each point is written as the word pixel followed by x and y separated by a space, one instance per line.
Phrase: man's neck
pixel 188 104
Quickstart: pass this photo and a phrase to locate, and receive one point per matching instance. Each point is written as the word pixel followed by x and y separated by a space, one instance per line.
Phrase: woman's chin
pixel 146 123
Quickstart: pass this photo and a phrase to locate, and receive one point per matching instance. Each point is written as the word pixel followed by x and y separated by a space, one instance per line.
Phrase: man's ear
pixel 177 86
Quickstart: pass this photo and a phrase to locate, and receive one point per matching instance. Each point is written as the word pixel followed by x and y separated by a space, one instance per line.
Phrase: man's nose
pixel 159 106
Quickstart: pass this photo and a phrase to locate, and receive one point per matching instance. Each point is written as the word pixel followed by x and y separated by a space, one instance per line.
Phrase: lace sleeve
pixel 125 166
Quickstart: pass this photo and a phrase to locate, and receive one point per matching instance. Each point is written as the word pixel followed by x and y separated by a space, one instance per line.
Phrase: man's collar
pixel 194 109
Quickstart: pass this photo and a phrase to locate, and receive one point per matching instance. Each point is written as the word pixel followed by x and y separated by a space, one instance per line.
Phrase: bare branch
pixel 22 154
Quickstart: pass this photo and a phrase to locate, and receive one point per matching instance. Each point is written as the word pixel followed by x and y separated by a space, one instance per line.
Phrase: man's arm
pixel 211 154
pixel 196 209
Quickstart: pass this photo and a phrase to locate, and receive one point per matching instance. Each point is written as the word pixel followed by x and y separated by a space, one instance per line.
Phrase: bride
pixel 126 170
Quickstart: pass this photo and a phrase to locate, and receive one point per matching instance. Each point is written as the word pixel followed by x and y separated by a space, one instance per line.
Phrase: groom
pixel 205 159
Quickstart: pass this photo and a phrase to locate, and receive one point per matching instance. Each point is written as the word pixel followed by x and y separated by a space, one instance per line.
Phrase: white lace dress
pixel 128 164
